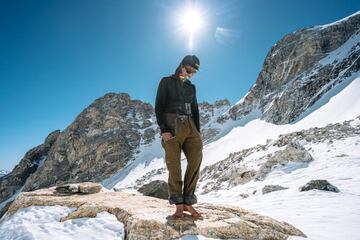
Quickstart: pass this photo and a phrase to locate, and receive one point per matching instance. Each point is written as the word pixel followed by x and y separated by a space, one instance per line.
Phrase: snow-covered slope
pixel 320 214
pixel 342 106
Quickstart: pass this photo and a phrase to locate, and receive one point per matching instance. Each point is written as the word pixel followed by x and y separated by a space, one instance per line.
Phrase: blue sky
pixel 56 57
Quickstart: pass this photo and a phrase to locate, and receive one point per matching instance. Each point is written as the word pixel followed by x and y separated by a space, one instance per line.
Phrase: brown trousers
pixel 186 138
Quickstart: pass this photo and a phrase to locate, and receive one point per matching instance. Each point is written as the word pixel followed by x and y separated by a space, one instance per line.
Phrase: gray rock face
pixel 292 79
pixel 272 188
pixel 13 181
pixel 323 185
pixel 155 188
pixel 101 140
pixel 298 70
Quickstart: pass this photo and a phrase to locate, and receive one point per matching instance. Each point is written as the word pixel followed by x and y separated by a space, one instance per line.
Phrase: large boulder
pixel 319 184
pixel 157 188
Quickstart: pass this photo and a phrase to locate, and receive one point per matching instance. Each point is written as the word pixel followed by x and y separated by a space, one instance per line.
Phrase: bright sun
pixel 191 21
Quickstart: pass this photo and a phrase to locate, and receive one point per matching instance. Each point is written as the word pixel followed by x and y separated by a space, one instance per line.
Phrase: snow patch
pixel 42 223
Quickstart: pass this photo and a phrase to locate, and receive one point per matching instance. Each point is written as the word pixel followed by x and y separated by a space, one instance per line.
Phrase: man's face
pixel 188 71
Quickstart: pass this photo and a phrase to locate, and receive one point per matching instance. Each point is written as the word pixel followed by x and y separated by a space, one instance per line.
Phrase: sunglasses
pixel 190 69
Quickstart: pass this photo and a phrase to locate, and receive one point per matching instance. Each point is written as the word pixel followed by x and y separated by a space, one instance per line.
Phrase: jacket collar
pixel 177 77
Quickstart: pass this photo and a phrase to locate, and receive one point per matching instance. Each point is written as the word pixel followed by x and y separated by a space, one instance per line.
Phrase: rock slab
pixel 148 217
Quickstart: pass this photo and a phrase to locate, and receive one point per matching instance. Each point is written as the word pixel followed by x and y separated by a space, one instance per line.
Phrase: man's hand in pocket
pixel 166 136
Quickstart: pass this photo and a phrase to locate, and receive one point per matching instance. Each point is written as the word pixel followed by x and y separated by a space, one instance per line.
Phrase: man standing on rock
pixel 177 115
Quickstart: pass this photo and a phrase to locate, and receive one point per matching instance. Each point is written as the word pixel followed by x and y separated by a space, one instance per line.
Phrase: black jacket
pixel 171 96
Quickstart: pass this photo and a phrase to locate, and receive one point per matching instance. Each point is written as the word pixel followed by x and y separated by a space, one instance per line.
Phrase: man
pixel 177 115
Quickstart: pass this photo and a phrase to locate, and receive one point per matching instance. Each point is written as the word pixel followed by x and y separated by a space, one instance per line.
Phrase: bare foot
pixel 192 210
pixel 179 211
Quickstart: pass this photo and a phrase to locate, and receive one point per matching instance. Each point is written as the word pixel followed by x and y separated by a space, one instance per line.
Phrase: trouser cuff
pixel 190 199
pixel 176 199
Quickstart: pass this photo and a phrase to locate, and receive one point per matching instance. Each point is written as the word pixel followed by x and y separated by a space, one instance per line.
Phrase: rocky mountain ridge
pixel 298 70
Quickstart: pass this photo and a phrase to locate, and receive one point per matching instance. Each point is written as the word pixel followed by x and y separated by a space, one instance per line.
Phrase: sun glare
pixel 191 21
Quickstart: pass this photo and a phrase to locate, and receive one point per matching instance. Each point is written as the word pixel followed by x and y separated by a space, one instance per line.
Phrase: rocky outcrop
pixel 80 188
pixel 241 167
pixel 220 175
pixel 291 154
pixel 320 184
pixel 298 70
pixel 100 142
pixel 13 181
pixel 233 171
pixel 157 188
pixel 272 188
pixel 147 217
